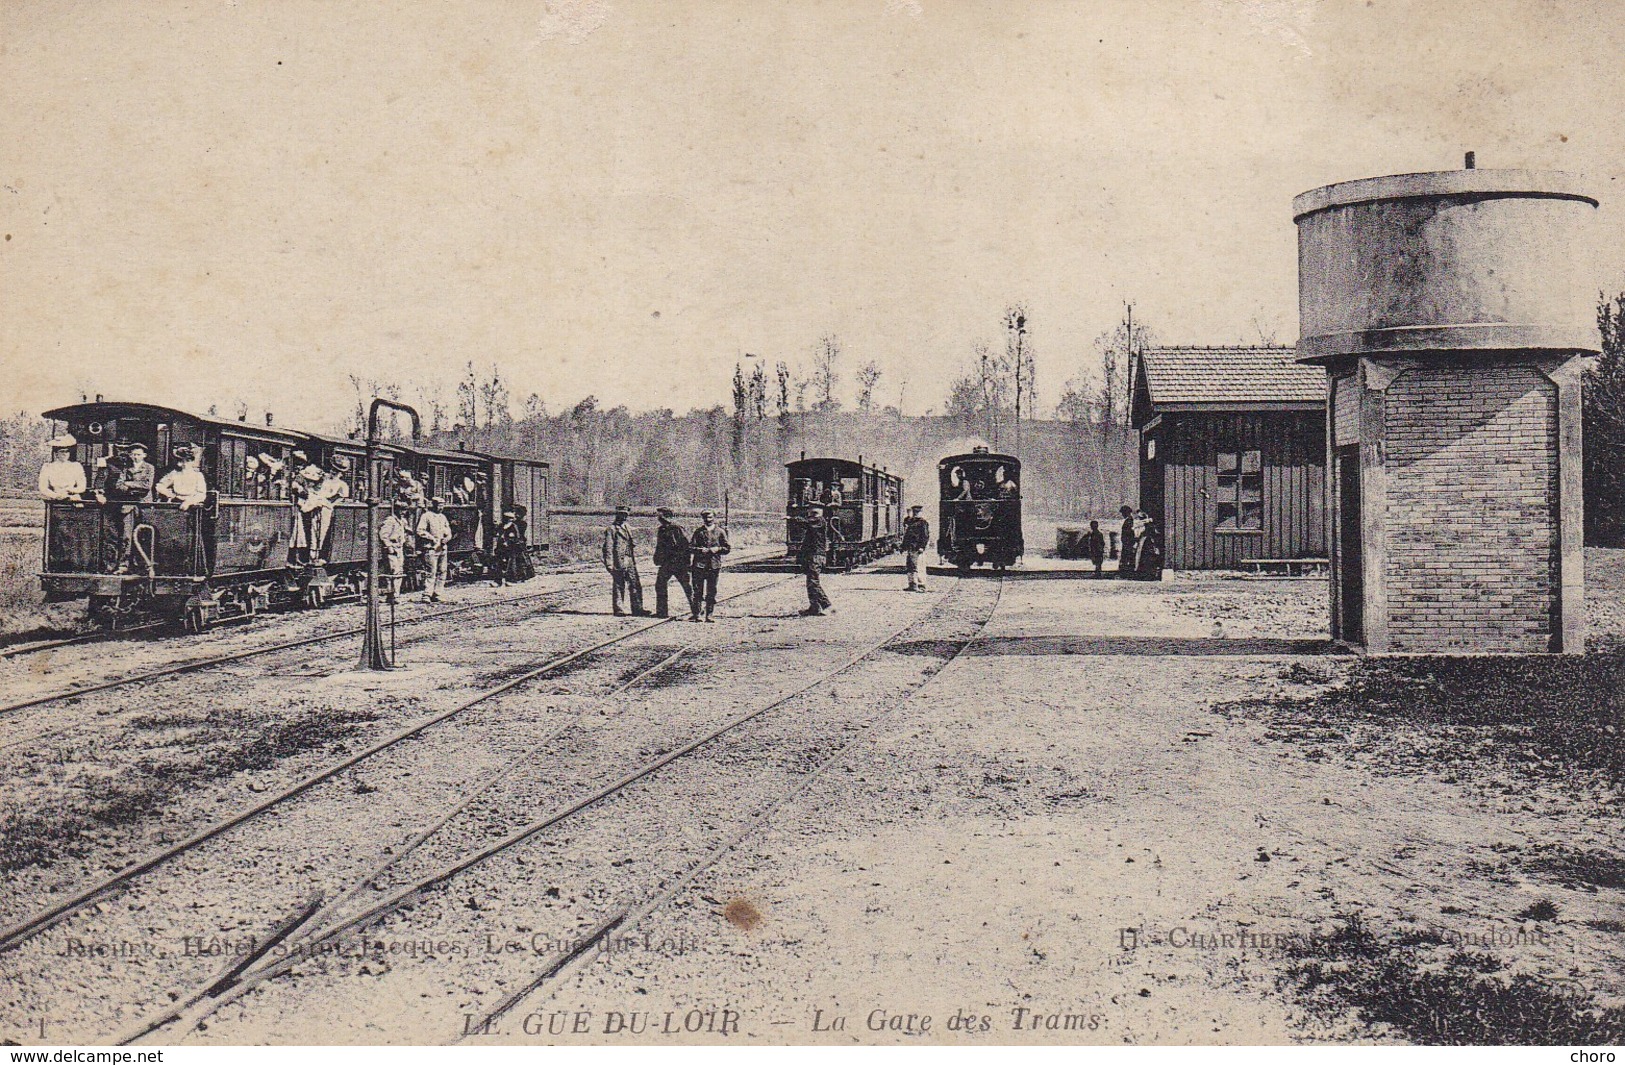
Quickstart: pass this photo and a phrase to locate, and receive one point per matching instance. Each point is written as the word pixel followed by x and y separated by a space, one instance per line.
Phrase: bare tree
pixel 468 399
pixel 494 396
pixel 825 376
pixel 868 377
pixel 758 390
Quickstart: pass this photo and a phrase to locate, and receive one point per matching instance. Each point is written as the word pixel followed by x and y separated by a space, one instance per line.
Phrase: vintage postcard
pixel 837 522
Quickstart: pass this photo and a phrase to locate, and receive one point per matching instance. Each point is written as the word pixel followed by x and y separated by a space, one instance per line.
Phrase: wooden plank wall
pixel 1293 451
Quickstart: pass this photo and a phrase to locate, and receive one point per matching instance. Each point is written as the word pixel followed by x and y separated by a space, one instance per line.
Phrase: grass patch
pixel 1550 719
pixel 222 743
pixel 1438 996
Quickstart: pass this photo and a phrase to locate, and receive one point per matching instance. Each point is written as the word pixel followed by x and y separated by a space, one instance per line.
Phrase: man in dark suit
pixel 125 486
pixel 816 539
pixel 708 544
pixel 671 561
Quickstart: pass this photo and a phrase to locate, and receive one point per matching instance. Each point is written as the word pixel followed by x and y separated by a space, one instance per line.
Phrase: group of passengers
pixel 977 486
pixel 127 481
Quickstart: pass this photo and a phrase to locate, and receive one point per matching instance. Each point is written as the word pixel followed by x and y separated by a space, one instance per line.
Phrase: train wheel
pixel 195 620
pixel 313 598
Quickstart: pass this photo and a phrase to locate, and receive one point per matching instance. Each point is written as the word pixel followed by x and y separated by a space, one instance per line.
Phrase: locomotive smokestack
pixel 270 418
pixel 1471 162
pixel 98 397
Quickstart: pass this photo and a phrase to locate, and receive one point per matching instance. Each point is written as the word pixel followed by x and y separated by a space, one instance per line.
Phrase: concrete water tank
pixel 1452 311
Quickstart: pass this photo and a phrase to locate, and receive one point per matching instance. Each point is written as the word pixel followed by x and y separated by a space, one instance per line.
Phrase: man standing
pixel 434 535
pixel 1125 555
pixel 621 560
pixel 708 544
pixel 127 484
pixel 1094 546
pixel 916 539
pixel 815 541
pixel 392 535
pixel 62 478
pixel 671 562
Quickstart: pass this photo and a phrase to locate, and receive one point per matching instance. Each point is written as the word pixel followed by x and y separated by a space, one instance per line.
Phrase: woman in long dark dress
pixel 1148 553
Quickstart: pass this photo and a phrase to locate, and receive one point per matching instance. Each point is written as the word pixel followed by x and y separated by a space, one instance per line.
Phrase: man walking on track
pixel 671 561
pixel 620 559
pixel 916 539
pixel 815 541
pixel 434 536
pixel 708 544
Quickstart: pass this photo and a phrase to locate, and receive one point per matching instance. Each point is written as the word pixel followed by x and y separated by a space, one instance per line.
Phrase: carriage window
pixel 1241 490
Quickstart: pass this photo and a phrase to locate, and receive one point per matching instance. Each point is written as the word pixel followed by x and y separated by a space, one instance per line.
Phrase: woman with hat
pixel 62 478
pixel 185 484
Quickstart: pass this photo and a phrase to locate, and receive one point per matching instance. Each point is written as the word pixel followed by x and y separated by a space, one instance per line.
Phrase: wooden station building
pixel 1232 456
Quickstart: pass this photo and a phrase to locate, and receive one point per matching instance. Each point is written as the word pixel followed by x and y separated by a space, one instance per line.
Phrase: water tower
pixel 1452 312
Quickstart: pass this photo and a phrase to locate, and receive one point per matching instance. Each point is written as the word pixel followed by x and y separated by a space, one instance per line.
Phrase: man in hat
pixel 916 539
pixel 434 536
pixel 671 562
pixel 708 544
pixel 185 484
pixel 125 486
pixel 508 547
pixel 816 537
pixel 621 560
pixel 62 478
pixel 1125 557
pixel 392 534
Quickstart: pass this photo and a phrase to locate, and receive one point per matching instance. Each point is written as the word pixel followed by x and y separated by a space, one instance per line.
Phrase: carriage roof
pixel 103 411
pixel 988 457
pixel 844 465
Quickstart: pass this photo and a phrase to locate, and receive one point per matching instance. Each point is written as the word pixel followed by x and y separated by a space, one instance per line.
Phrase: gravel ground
pixel 1127 813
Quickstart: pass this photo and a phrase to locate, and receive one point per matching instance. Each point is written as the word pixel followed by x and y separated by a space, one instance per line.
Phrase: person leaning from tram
pixel 434 538
pixel 126 484
pixel 817 538
pixel 708 544
pixel 671 562
pixel 392 537
pixel 62 479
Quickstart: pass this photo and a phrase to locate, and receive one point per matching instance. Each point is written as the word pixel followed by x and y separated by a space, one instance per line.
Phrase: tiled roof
pixel 1230 375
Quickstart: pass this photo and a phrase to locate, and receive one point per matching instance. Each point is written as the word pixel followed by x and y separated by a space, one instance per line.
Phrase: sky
pixel 249 201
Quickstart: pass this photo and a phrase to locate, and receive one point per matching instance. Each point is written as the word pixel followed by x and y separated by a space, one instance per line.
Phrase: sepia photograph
pixel 784 523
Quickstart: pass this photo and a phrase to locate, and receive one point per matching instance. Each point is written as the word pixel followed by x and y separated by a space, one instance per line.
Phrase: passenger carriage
pixel 979 520
pixel 248 547
pixel 864 502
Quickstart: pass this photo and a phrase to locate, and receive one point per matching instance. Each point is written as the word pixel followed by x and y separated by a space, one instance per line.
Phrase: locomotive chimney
pixel 83 398
pixel 270 419
pixel 1471 162
pixel 98 397
pixel 242 416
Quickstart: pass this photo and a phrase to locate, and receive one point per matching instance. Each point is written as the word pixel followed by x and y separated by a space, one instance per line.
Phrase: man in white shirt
pixel 62 478
pixel 434 534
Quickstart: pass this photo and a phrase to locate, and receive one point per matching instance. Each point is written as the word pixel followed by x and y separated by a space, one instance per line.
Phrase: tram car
pixel 261 536
pixel 865 503
pixel 979 522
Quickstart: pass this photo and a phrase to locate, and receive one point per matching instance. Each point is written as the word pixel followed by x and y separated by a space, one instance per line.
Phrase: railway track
pixel 320 925
pixel 199 665
pixel 78 899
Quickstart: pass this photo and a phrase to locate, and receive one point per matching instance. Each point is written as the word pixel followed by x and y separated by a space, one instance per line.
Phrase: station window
pixel 1241 491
